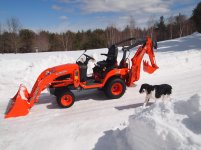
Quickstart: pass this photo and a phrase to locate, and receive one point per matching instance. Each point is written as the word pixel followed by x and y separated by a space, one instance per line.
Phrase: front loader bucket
pixel 19 104
pixel 148 68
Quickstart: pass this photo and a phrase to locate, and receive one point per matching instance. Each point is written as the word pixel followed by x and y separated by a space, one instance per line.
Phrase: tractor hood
pixel 63 69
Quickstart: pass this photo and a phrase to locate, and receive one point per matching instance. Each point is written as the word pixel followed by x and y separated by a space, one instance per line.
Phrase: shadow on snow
pixel 93 94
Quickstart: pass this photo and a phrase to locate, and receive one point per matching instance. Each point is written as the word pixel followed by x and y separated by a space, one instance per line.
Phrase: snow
pixel 161 126
pixel 94 122
pixel 22 92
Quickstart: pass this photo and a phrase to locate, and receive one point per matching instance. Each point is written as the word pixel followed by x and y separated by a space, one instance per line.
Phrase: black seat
pixel 105 66
pixel 112 56
pixel 111 59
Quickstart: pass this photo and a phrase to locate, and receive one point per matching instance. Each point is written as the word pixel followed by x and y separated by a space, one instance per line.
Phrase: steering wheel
pixel 89 57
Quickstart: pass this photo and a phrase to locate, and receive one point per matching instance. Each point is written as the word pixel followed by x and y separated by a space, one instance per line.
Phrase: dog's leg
pixel 168 97
pixel 146 101
pixel 163 98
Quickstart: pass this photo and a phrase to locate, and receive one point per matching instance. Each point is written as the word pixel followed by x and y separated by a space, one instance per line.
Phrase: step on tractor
pixel 108 75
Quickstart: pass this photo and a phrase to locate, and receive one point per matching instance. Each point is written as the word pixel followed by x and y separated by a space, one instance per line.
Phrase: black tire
pixel 115 88
pixel 52 91
pixel 57 91
pixel 65 99
pixel 101 89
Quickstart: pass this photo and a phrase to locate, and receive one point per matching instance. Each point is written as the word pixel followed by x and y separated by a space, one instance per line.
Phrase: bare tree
pixel 181 19
pixel 191 27
pixel 111 34
pixel 65 40
pixel 132 24
pixel 0 28
pixel 171 21
pixel 125 34
pixel 14 25
pixel 151 23
pixel 41 41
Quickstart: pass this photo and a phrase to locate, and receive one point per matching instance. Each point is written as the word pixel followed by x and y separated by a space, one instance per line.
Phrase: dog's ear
pixel 140 91
pixel 142 88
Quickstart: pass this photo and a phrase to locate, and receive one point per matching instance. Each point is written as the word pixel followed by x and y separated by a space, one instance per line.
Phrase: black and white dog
pixel 156 92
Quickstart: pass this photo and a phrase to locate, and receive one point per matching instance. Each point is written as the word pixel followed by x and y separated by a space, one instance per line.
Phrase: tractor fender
pixel 115 73
pixel 112 78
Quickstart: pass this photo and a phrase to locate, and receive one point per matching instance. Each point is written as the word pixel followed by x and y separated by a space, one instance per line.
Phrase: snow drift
pixel 169 125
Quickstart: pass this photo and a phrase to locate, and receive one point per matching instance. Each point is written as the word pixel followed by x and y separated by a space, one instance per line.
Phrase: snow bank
pixel 181 44
pixel 162 126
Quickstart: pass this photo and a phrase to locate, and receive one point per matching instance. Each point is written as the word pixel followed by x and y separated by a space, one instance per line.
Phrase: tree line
pixel 15 39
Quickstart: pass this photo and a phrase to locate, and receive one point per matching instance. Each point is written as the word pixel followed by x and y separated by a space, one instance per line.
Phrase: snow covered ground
pixel 100 124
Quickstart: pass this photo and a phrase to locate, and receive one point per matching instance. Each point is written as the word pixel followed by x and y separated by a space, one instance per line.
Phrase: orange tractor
pixel 107 75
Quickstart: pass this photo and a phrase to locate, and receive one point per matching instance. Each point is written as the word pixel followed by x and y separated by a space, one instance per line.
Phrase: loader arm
pixel 134 73
pixel 22 102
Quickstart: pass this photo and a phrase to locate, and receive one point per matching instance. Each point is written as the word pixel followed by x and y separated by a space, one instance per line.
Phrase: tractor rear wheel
pixel 66 99
pixel 115 88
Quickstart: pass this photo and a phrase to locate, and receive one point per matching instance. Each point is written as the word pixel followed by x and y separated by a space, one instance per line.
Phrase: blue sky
pixel 62 15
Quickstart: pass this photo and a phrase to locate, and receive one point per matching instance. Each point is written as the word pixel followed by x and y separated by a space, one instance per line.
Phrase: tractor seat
pixel 111 60
pixel 105 66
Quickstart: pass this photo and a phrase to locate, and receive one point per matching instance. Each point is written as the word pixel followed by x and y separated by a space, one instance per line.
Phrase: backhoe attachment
pixel 146 48
pixel 148 68
pixel 149 50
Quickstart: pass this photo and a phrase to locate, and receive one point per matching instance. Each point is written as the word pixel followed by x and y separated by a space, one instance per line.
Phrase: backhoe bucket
pixel 19 104
pixel 148 68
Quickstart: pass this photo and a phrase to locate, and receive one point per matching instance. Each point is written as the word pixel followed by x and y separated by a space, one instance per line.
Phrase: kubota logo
pixel 61 72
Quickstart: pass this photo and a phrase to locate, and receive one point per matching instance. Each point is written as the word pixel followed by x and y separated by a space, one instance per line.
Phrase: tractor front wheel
pixel 66 99
pixel 115 88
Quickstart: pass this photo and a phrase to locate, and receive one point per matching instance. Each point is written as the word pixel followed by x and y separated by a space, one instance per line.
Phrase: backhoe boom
pixel 134 73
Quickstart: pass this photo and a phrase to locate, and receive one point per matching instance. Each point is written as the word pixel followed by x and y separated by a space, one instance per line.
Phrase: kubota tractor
pixel 107 75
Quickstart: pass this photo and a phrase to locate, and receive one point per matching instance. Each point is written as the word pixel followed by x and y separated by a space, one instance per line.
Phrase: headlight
pixel 48 72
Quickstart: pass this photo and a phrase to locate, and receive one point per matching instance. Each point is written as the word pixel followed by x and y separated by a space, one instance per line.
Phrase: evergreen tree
pixel 55 42
pixel 197 17
pixel 26 40
pixel 161 29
